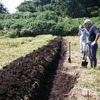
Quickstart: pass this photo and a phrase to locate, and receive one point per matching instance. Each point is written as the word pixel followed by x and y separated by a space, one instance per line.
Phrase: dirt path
pixel 73 68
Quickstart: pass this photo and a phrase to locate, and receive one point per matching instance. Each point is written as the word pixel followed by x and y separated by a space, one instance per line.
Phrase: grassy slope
pixel 89 77
pixel 11 49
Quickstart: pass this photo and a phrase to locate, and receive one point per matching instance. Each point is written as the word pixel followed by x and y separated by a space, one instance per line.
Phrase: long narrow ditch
pixel 37 76
pixel 46 85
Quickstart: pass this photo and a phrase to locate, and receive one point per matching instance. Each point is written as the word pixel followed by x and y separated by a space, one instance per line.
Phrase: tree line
pixel 72 8
pixel 56 17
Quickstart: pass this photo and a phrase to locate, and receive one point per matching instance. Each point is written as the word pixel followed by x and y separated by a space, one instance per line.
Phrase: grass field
pixel 12 48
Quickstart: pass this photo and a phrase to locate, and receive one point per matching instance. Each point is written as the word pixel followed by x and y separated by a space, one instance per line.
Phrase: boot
pixel 91 63
pixel 95 63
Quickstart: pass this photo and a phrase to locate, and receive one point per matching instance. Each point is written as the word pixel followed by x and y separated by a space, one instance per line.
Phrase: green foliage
pixel 16 26
pixel 9 33
pixel 94 11
pixel 12 34
pixel 48 17
pixel 46 22
pixel 26 6
pixel 25 32
pixel 41 27
pixel 72 8
pixel 2 8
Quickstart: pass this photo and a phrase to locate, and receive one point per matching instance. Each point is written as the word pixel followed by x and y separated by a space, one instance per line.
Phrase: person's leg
pixel 81 47
pixel 84 50
pixel 93 55
pixel 89 54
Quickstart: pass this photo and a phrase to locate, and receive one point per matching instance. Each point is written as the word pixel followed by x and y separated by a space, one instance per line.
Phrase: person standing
pixel 83 33
pixel 93 36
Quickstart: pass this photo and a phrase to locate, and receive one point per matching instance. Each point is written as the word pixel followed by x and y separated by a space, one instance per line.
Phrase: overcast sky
pixel 11 4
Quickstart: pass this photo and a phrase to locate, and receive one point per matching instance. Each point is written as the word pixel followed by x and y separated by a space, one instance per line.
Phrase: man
pixel 92 41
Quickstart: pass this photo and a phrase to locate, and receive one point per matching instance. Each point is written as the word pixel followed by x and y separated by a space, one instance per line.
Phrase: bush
pixel 38 23
pixel 47 15
pixel 16 26
pixel 12 33
pixel 26 32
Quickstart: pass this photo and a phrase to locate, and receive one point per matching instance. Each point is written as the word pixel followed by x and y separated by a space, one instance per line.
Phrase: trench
pixel 47 83
pixel 55 83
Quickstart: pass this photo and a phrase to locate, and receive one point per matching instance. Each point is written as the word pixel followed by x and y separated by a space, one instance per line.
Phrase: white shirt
pixel 83 33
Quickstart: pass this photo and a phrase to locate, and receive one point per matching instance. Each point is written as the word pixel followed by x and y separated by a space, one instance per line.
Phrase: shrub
pixel 26 32
pixel 12 33
pixel 47 15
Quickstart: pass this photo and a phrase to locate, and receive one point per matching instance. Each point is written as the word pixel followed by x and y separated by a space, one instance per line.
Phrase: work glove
pixel 93 43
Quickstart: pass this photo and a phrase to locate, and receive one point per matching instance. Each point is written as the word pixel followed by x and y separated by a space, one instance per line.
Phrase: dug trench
pixel 38 75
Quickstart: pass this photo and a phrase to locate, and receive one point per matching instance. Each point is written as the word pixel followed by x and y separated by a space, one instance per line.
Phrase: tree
pixel 41 2
pixel 27 6
pixel 2 9
pixel 72 8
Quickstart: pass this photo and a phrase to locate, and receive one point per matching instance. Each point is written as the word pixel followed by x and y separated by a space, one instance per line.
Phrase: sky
pixel 11 4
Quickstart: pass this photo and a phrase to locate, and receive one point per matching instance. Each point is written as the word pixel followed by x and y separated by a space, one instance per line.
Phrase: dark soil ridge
pixel 37 76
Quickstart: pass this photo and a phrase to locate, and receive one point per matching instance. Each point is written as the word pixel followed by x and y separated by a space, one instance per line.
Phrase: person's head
pixel 87 23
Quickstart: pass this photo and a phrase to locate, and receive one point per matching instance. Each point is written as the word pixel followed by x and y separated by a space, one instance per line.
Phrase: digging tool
pixel 69 59
pixel 85 62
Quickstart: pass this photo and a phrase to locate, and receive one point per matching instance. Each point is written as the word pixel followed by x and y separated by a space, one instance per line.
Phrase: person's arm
pixel 79 33
pixel 96 38
pixel 97 35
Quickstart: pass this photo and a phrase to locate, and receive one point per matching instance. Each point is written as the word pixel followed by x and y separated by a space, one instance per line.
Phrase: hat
pixel 87 21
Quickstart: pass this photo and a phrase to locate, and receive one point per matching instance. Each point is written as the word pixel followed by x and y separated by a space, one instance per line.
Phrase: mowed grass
pixel 13 48
pixel 89 77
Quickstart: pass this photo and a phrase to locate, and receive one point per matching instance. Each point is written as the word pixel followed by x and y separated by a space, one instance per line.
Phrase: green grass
pixel 13 48
pixel 89 78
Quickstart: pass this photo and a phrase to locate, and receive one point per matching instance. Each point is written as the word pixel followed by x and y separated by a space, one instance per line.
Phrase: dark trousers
pixel 92 53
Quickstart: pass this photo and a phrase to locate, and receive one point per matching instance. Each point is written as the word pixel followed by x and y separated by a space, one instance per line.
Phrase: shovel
pixel 84 63
pixel 69 59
